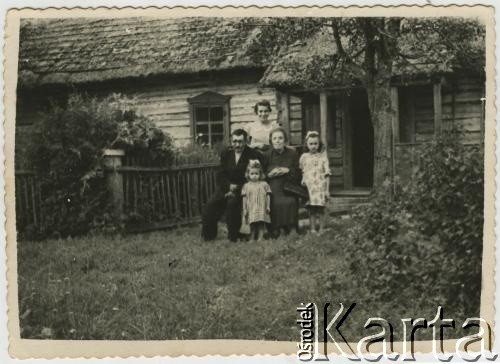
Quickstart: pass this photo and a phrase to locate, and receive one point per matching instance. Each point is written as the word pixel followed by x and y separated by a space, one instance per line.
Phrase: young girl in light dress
pixel 316 177
pixel 256 203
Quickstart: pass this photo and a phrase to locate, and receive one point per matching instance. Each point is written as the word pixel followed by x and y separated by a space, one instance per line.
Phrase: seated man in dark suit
pixel 230 179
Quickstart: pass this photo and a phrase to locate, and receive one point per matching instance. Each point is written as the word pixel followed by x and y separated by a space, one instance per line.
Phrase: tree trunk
pixel 379 103
pixel 379 55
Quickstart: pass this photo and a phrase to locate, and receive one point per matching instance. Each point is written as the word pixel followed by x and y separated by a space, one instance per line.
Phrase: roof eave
pixel 29 79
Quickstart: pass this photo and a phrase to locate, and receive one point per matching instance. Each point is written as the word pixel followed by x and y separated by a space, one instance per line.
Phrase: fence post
pixel 114 180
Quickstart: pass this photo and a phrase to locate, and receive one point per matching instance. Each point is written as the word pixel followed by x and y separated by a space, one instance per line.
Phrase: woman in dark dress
pixel 282 166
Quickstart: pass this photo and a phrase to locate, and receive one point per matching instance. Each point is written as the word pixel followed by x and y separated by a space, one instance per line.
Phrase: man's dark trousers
pixel 214 210
pixel 230 173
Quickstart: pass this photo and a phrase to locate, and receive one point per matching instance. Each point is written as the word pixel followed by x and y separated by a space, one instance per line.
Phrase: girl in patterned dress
pixel 316 177
pixel 256 201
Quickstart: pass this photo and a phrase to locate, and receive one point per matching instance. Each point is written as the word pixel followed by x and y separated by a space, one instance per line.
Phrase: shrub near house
pixel 66 153
pixel 430 235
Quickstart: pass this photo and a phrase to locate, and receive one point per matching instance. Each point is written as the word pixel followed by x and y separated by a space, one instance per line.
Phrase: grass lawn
pixel 172 285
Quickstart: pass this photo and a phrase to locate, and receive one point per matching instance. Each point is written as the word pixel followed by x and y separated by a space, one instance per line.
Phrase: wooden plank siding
pixel 168 107
pixel 295 115
pixel 461 110
pixel 416 113
pixel 460 107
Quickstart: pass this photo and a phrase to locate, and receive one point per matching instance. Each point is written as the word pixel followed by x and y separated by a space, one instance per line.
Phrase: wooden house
pixel 197 76
pixel 427 97
pixel 191 76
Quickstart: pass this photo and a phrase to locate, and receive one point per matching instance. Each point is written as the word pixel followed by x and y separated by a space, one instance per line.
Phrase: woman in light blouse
pixel 259 130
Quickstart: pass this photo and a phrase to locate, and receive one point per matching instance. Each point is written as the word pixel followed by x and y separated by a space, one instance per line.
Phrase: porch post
pixel 346 142
pixel 438 114
pixel 323 116
pixel 284 100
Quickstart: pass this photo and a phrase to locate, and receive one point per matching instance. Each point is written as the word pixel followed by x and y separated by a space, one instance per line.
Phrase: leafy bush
pixel 429 235
pixel 66 154
pixel 143 141
pixel 197 154
pixel 447 197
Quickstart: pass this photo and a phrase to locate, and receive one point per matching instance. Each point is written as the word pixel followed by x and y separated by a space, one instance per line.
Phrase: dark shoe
pixel 208 237
pixel 208 234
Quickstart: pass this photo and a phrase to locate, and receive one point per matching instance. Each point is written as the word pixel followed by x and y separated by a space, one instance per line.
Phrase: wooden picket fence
pixel 153 198
pixel 28 199
pixel 164 197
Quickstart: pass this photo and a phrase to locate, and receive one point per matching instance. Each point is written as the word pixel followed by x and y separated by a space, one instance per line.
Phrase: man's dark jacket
pixel 232 173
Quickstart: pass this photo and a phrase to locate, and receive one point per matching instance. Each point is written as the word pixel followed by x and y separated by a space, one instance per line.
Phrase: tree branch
pixel 389 37
pixel 338 41
pixel 407 56
pixel 367 29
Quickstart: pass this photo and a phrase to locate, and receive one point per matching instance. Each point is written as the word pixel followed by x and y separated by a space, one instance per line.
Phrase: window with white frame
pixel 209 118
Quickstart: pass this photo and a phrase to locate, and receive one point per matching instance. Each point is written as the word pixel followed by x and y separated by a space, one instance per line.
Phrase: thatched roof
pixel 92 49
pixel 316 63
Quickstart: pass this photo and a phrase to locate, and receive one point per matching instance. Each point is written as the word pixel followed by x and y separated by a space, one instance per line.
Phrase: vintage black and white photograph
pixel 202 177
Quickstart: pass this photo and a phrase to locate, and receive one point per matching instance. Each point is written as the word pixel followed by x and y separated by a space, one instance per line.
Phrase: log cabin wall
pixel 167 104
pixel 168 107
pixel 295 114
pixel 416 114
pixel 461 109
pixel 164 103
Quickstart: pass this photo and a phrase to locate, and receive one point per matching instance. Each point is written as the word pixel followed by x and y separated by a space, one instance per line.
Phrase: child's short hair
pixel 254 164
pixel 313 134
